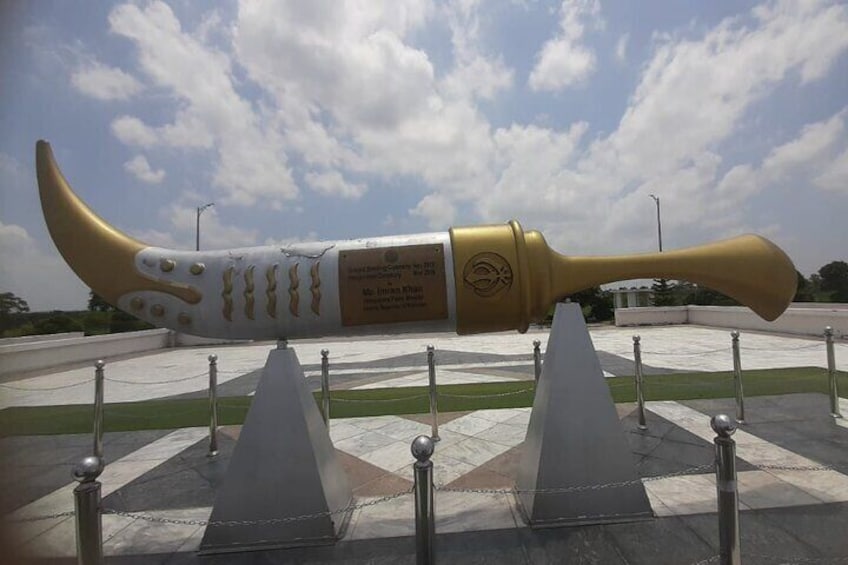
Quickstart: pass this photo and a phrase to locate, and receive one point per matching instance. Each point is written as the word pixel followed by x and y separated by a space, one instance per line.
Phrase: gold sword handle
pixel 506 278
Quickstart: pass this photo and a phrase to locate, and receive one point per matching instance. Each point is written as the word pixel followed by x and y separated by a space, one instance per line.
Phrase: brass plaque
pixel 393 284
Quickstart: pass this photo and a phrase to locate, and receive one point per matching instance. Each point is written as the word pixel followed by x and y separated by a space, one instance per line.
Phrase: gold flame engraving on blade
pixel 249 299
pixel 294 296
pixel 227 293
pixel 315 288
pixel 271 291
pixel 102 256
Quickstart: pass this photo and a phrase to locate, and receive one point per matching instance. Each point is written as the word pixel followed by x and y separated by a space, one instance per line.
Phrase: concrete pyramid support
pixel 284 465
pixel 575 438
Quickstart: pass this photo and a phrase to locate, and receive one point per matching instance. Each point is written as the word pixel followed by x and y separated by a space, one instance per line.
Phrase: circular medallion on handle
pixel 487 274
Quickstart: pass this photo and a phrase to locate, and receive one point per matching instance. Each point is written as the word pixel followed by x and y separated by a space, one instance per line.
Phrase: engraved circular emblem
pixel 487 274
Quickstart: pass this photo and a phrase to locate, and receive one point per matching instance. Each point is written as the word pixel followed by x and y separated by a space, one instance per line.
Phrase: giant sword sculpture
pixel 469 280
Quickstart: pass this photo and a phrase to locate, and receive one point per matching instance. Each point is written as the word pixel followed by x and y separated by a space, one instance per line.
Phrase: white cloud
pixel 563 61
pixel 105 83
pixel 835 175
pixel 12 173
pixel 180 219
pixel 347 89
pixel 252 164
pixel 817 156
pixel 721 76
pixel 812 148
pixel 41 278
pixel 437 209
pixel 331 111
pixel 332 183
pixel 139 167
pixel 289 241
pixel 132 131
pixel 475 74
pixel 621 48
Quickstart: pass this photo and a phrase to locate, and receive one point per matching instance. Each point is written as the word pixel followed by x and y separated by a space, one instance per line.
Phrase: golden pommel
pixel 507 278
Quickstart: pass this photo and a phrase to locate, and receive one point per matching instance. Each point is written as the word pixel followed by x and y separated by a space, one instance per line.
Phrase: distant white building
pixel 632 297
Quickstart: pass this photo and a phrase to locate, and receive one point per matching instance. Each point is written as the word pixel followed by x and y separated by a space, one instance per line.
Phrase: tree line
pixel 99 318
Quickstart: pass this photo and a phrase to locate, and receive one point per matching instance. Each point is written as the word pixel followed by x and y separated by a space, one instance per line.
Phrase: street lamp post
pixel 659 222
pixel 200 210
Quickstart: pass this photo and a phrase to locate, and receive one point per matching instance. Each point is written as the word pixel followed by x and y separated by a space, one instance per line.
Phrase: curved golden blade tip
pixel 102 256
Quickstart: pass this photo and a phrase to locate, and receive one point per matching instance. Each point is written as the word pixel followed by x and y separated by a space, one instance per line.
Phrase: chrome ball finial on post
pixel 422 448
pixel 425 518
pixel 87 469
pixel 537 359
pixel 434 394
pixel 213 405
pixel 638 378
pixel 737 377
pixel 723 425
pixel 325 386
pixel 88 521
pixel 727 493
pixel 832 385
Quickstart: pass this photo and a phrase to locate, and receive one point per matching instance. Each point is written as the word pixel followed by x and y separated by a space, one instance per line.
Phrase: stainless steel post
pixel 89 525
pixel 98 409
pixel 425 517
pixel 213 406
pixel 434 399
pixel 537 358
pixel 325 385
pixel 640 396
pixel 728 495
pixel 832 385
pixel 737 378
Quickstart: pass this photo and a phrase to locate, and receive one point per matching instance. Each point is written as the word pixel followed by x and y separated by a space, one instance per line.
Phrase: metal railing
pixel 213 405
pixel 88 509
pixel 739 394
pixel 434 398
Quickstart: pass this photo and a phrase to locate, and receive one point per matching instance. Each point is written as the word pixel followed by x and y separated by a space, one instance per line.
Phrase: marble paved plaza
pixel 793 461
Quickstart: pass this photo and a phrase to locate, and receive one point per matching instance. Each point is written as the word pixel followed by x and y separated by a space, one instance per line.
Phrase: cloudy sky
pixel 330 119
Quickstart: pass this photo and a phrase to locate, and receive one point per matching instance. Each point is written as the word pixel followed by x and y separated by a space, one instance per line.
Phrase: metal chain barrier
pixel 712 559
pixel 168 381
pixel 47 389
pixel 337 399
pixel 685 353
pixel 717 383
pixel 798 560
pixel 493 395
pixel 53 516
pixel 198 522
pixel 581 488
pixel 795 467
pixel 119 415
pixel 261 522
pixel 781 349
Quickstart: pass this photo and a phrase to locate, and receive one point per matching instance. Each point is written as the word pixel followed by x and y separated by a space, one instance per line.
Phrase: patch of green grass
pixel 170 414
